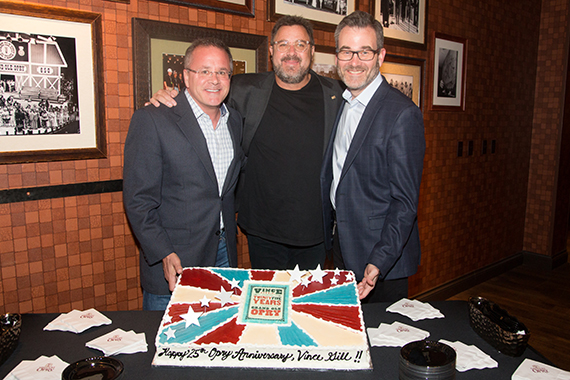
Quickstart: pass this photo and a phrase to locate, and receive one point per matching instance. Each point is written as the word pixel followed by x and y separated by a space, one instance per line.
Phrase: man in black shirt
pixel 288 117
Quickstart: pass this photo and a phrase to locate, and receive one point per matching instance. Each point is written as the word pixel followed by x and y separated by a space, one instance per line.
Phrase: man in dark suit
pixel 288 117
pixel 180 173
pixel 372 170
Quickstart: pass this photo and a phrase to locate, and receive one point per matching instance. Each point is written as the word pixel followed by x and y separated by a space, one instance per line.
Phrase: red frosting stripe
pixel 314 286
pixel 262 275
pixel 205 279
pixel 348 316
pixel 227 333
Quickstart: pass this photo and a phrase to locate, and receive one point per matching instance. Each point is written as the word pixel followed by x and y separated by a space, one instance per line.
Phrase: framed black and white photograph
pixel 404 21
pixel 406 75
pixel 51 87
pixel 324 14
pixel 449 59
pixel 159 48
pixel 238 7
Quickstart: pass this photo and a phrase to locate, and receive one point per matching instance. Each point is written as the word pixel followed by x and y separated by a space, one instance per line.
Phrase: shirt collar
pixel 199 112
pixel 365 96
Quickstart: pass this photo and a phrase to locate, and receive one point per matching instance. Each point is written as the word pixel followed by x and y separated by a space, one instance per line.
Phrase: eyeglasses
pixel 208 74
pixel 363 55
pixel 299 45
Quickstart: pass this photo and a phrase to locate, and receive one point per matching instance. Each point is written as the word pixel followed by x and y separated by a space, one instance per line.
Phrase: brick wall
pixel 78 252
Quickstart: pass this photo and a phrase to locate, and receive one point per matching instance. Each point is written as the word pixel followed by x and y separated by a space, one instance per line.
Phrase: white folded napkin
pixel 533 370
pixel 119 342
pixel 470 356
pixel 78 321
pixel 414 309
pixel 395 335
pixel 43 368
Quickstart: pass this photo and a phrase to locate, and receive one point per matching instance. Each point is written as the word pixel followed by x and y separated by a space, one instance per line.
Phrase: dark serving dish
pixel 10 325
pixel 497 327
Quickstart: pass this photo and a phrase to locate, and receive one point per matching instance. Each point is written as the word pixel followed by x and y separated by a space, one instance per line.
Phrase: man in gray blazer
pixel 288 118
pixel 180 173
pixel 372 171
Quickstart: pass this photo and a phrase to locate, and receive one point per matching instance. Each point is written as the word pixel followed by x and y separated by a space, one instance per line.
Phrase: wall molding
pixel 60 191
pixel 544 262
pixel 453 287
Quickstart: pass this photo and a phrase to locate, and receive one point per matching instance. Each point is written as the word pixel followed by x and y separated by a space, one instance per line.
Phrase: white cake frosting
pixel 226 317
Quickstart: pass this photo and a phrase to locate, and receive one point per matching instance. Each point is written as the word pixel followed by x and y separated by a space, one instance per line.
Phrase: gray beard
pixel 291 79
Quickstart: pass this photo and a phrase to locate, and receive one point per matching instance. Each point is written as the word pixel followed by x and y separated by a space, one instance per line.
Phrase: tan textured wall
pixel 78 252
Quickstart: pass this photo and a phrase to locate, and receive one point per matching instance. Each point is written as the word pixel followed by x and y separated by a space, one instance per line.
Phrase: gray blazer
pixel 377 196
pixel 170 190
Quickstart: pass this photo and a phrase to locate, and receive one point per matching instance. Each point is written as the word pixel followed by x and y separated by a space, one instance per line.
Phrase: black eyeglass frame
pixel 357 52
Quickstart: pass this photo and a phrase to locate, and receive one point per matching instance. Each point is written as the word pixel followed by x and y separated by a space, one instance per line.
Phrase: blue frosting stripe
pixel 294 336
pixel 207 322
pixel 344 294
pixel 232 274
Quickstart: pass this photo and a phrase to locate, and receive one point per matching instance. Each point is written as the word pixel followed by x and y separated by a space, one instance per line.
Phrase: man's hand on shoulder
pixel 163 96
pixel 371 274
pixel 172 268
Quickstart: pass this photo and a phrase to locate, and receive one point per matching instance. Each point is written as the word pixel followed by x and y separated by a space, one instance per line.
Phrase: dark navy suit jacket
pixel 377 196
pixel 170 190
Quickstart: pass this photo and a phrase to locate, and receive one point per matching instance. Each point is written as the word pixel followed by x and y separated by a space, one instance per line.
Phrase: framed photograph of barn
pixel 51 88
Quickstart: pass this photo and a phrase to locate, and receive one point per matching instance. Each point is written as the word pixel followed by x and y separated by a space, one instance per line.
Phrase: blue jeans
pixel 160 301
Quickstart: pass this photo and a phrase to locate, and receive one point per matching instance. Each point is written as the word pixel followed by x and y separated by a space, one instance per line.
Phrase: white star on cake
pixel 337 272
pixel 170 334
pixel 234 283
pixel 191 317
pixel 205 301
pixel 334 281
pixel 167 319
pixel 318 274
pixel 349 276
pixel 305 281
pixel 295 274
pixel 224 296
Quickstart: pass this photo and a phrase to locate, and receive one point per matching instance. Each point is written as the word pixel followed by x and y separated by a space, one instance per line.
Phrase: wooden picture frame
pixel 322 13
pixel 407 75
pixel 53 88
pixel 145 31
pixel 324 61
pixel 407 22
pixel 238 7
pixel 449 70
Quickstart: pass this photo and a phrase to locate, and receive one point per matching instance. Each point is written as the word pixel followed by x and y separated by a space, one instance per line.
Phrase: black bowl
pixel 10 326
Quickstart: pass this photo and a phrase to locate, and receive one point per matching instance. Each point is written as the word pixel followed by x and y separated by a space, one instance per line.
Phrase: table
pixel 70 347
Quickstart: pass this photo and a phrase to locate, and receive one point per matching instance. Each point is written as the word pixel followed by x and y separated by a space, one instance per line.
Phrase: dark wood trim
pixel 469 280
pixel 544 262
pixel 534 260
pixel 60 191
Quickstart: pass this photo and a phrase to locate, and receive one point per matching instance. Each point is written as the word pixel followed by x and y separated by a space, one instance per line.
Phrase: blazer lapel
pixel 331 99
pixel 256 112
pixel 364 126
pixel 237 159
pixel 189 126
